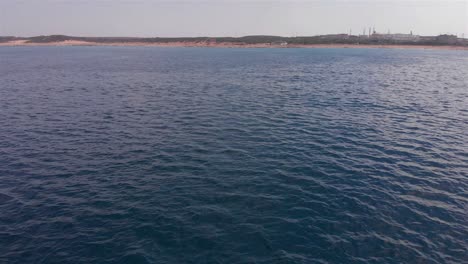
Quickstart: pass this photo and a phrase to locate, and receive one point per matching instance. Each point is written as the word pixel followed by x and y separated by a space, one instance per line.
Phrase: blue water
pixel 186 155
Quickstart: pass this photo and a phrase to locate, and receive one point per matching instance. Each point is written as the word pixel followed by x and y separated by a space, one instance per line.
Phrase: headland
pixel 398 41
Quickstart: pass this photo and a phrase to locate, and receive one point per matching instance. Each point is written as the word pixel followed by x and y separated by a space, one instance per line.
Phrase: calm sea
pixel 192 155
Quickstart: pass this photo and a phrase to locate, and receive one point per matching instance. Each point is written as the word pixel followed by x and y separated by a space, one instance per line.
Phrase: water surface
pixel 186 155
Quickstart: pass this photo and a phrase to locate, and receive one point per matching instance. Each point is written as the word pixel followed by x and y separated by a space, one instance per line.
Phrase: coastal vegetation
pixel 374 39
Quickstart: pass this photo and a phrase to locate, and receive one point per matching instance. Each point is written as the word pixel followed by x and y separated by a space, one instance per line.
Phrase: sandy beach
pixel 222 45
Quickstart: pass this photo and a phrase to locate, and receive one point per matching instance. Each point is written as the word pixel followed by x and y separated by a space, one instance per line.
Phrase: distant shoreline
pixel 375 40
pixel 22 43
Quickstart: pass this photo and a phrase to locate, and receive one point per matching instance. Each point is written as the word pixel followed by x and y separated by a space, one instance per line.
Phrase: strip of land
pixel 445 42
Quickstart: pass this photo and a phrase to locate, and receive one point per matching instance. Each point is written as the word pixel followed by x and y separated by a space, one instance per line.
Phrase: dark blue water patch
pixel 188 155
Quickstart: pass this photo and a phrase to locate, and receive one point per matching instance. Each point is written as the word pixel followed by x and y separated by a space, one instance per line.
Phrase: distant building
pixel 396 37
pixel 464 42
pixel 404 37
pixel 442 40
pixel 279 43
pixel 334 36
pixel 447 39
pixel 428 38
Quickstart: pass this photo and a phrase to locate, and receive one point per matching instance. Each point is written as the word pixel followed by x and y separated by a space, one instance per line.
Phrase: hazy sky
pixel 229 17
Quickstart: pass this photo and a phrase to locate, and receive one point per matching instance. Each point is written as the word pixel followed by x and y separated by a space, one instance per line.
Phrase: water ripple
pixel 161 155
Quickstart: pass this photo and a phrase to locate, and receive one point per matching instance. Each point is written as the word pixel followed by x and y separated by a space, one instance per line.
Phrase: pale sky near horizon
pixel 163 18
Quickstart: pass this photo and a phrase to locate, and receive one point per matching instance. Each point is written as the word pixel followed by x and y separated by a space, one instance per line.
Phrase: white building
pixel 279 43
